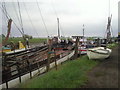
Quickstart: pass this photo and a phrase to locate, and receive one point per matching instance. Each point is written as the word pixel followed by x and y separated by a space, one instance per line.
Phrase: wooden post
pixel 6 76
pixel 19 73
pixel 98 42
pixel 30 71
pixel 7 85
pixel 48 59
pixel 38 67
pixel 29 67
pixel 76 48
pixel 55 59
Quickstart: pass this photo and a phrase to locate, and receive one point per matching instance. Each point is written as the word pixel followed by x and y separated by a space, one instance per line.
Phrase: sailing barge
pixel 20 63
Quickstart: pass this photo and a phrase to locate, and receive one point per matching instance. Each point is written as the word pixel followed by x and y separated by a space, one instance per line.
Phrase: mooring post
pixel 48 55
pixel 98 42
pixel 76 48
pixel 20 78
pixel 6 84
pixel 29 67
pixel 6 77
pixel 18 69
pixel 55 59
pixel 30 71
pixel 19 73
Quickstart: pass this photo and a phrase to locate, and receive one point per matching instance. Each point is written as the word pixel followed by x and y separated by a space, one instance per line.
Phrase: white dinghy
pixel 98 53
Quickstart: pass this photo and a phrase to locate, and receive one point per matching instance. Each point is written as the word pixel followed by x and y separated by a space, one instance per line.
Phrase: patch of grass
pixel 71 74
pixel 112 45
pixel 33 40
pixel 37 40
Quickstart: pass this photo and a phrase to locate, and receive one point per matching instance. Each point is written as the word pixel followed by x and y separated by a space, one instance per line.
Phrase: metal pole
pixel 83 33
pixel 58 29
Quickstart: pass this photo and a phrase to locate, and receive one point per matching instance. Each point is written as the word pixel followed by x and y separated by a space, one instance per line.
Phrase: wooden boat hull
pixel 98 53
pixel 15 51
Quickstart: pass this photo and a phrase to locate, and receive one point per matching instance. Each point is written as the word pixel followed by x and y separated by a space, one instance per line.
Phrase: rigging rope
pixel 16 12
pixel 20 17
pixel 8 17
pixel 56 14
pixel 54 9
pixel 30 19
pixel 42 18
pixel 4 10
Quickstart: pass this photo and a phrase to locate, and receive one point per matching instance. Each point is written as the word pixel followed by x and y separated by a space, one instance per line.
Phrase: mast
pixel 83 33
pixel 108 37
pixel 58 28
pixel 108 29
pixel 8 32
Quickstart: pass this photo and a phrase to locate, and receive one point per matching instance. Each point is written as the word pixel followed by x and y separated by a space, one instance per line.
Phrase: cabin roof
pixel 77 36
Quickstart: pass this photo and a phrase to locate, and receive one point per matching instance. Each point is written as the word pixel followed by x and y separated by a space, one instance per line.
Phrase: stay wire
pixel 42 18
pixel 30 19
pixel 56 14
pixel 16 12
pixel 8 17
pixel 20 17
pixel 54 9
pixel 4 10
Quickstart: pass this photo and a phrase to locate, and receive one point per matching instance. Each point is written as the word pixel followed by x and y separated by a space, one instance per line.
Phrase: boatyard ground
pixel 80 73
pixel 105 74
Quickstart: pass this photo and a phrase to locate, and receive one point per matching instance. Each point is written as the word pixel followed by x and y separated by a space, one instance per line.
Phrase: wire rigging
pixel 8 17
pixel 16 12
pixel 42 18
pixel 54 9
pixel 20 17
pixel 56 14
pixel 30 19
pixel 4 10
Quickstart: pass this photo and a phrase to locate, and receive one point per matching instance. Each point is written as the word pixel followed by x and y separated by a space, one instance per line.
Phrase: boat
pixel 98 53
pixel 82 49
pixel 101 52
pixel 83 43
pixel 8 50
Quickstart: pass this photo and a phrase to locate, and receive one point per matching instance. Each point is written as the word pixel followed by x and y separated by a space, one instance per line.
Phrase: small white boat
pixel 98 53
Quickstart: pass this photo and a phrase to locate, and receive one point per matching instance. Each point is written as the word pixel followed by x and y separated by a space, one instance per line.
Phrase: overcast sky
pixel 71 13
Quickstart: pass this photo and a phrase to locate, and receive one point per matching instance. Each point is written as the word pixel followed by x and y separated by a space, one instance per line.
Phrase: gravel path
pixel 105 75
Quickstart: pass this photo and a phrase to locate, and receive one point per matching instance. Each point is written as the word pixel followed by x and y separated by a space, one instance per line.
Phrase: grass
pixel 38 40
pixel 33 40
pixel 72 74
pixel 112 45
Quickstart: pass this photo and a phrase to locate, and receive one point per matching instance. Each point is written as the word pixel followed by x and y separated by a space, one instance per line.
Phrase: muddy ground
pixel 105 74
